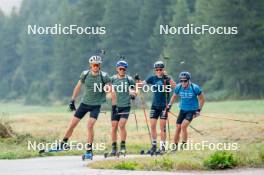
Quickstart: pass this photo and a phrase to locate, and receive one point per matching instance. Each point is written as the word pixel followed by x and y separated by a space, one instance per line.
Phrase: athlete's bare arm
pixel 77 90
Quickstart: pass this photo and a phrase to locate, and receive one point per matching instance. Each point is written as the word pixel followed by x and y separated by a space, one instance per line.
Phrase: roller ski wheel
pixel 142 152
pixel 106 155
pixel 88 155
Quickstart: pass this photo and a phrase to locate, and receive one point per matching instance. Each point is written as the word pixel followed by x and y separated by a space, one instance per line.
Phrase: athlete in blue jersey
pixel 191 104
pixel 161 85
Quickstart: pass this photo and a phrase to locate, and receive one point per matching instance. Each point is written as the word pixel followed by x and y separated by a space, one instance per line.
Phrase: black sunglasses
pixel 183 81
pixel 159 69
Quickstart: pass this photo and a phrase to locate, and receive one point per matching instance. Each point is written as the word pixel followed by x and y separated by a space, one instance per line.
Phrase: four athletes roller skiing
pixel 191 103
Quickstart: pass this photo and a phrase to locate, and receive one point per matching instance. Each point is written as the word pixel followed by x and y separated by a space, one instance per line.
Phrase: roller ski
pixel 113 153
pixel 88 155
pixel 153 151
pixel 149 152
pixel 62 146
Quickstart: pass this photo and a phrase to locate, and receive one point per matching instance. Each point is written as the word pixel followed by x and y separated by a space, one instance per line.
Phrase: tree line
pixel 43 68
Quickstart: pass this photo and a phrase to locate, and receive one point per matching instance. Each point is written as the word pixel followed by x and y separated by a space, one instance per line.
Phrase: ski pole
pixel 196 130
pixel 166 112
pixel 135 114
pixel 145 115
pixel 136 121
pixel 226 118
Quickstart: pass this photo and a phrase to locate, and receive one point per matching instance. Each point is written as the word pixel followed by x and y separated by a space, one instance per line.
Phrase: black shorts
pixel 124 110
pixel 157 112
pixel 187 115
pixel 83 109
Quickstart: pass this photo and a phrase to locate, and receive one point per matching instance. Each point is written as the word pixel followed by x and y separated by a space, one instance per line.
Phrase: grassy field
pixel 45 124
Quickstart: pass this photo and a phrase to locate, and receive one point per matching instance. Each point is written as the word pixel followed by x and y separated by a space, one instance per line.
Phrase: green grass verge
pixel 249 155
pixel 223 107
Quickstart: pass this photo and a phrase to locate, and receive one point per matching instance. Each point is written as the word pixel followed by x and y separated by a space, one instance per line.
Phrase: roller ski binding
pixel 113 153
pixel 88 155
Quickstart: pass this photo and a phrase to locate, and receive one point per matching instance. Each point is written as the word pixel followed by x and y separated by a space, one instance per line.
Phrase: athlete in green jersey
pixel 92 80
pixel 123 86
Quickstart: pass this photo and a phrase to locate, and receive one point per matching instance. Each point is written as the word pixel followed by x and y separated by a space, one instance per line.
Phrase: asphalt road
pixel 73 165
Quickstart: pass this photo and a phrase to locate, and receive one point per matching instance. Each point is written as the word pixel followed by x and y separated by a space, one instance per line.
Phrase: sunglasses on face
pixel 183 81
pixel 158 70
pixel 96 65
pixel 122 69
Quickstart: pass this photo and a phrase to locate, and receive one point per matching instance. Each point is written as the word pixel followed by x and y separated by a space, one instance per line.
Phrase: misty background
pixel 41 69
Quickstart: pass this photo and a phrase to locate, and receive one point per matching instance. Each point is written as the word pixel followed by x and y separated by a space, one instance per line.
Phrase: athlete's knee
pixel 122 127
pixel 153 127
pixel 114 128
pixel 184 127
pixel 178 128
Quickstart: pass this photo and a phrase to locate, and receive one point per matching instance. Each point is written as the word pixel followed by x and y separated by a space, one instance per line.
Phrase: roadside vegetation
pixel 20 124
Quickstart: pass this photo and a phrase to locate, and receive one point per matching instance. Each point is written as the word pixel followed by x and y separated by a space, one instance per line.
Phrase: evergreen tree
pixel 233 59
pixel 179 47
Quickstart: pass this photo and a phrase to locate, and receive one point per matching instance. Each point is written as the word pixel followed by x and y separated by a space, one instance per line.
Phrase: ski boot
pixel 88 155
pixel 123 149
pixel 175 148
pixel 183 146
pixel 161 151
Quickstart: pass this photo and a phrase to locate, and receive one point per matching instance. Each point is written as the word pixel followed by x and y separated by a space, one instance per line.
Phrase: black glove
pixel 72 106
pixel 137 77
pixel 114 111
pixel 133 97
pixel 166 77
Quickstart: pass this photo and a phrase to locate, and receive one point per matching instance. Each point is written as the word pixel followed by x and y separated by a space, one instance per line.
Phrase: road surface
pixel 73 165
